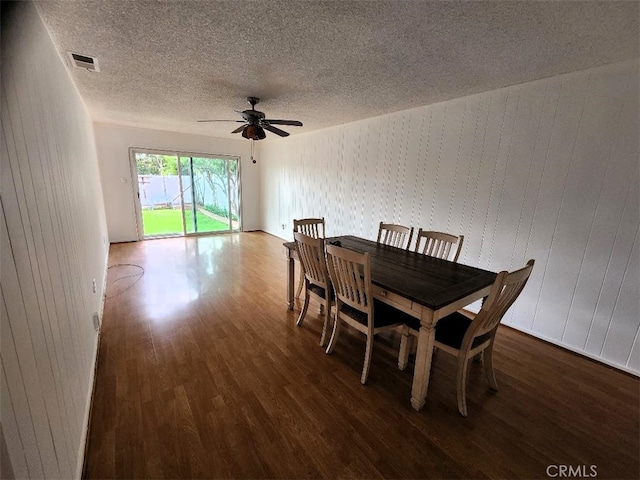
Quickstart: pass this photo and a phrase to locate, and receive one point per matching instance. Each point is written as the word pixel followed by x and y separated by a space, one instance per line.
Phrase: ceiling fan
pixel 255 124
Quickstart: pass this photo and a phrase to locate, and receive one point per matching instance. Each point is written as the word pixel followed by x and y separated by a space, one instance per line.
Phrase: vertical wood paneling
pixel 53 245
pixel 480 214
pixel 620 336
pixel 14 463
pixel 411 152
pixel 601 126
pixel 65 352
pixel 527 168
pixel 462 165
pixel 545 170
pixel 473 167
pixel 444 178
pixel 19 351
pixel 15 403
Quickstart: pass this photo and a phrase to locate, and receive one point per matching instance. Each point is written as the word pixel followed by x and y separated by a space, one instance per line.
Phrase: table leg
pixel 426 339
pixel 290 281
pixel 405 348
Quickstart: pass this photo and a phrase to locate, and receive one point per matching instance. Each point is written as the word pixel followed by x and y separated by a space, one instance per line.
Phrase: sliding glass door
pixel 184 194
pixel 211 195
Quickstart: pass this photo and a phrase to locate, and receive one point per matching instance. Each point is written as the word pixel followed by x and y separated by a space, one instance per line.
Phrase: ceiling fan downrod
pixel 253 101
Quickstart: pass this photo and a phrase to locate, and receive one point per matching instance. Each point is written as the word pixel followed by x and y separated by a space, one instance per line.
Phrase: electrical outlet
pixel 94 286
pixel 284 226
pixel 96 322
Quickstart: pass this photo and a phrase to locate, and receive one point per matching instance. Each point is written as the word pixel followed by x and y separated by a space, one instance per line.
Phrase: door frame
pixel 136 189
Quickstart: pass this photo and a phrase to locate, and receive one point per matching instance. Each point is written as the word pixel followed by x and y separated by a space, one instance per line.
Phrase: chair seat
pixel 451 329
pixel 318 290
pixel 384 314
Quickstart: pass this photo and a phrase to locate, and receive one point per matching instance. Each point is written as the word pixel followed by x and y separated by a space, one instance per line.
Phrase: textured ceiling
pixel 166 64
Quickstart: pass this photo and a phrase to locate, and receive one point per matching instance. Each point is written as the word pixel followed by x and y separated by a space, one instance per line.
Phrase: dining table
pixel 425 287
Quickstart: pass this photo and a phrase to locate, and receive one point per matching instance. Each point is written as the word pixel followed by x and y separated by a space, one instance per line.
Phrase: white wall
pixel 53 236
pixel 113 143
pixel 545 170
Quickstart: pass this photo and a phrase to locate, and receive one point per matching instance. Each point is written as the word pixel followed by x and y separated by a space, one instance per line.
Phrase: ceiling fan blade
pixel 239 129
pixel 294 123
pixel 206 121
pixel 275 130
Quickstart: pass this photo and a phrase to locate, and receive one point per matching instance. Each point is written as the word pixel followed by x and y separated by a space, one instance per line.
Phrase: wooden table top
pixel 429 281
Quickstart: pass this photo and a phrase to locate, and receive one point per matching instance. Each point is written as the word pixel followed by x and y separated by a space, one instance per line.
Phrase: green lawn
pixel 169 222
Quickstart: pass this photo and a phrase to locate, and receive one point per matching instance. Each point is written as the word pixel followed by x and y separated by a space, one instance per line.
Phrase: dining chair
pixel 350 274
pixel 316 278
pixel 395 235
pixel 438 244
pixel 466 334
pixel 312 227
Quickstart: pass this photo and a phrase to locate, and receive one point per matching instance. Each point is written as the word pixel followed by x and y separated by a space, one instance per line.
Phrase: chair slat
pixel 438 244
pixel 311 227
pixel 394 235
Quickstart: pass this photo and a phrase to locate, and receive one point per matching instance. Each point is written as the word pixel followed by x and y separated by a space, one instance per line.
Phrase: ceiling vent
pixel 84 61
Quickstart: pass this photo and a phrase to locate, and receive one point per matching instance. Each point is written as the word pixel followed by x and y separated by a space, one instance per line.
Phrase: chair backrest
pixel 395 235
pixel 438 244
pixel 504 292
pixel 350 273
pixel 311 254
pixel 312 227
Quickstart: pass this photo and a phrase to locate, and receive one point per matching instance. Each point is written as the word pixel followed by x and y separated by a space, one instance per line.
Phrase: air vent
pixel 84 61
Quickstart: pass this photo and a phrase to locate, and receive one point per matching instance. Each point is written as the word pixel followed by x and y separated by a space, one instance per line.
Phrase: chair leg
pixel 336 333
pixel 488 367
pixel 462 384
pixel 367 360
pixel 305 307
pixel 300 283
pixel 413 345
pixel 405 348
pixel 327 318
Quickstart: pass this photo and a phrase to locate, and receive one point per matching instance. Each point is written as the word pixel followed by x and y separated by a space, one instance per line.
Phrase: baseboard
pixel 84 439
pixel 276 236
pixel 104 290
pixel 575 351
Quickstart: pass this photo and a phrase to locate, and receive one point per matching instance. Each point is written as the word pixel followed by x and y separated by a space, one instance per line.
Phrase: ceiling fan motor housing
pixel 252 116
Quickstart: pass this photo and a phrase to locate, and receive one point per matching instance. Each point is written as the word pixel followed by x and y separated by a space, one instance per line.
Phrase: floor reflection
pixel 172 273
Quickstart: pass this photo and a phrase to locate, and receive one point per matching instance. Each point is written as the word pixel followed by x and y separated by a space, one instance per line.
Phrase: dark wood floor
pixel 202 373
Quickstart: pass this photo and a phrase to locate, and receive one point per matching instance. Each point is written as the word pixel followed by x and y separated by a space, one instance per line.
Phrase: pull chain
pixel 253 160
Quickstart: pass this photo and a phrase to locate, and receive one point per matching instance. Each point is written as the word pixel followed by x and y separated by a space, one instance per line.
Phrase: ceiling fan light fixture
pixel 254 132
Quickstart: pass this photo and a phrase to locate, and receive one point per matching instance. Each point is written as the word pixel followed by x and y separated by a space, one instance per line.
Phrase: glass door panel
pixel 159 194
pixel 211 194
pixel 184 194
pixel 188 196
pixel 234 193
